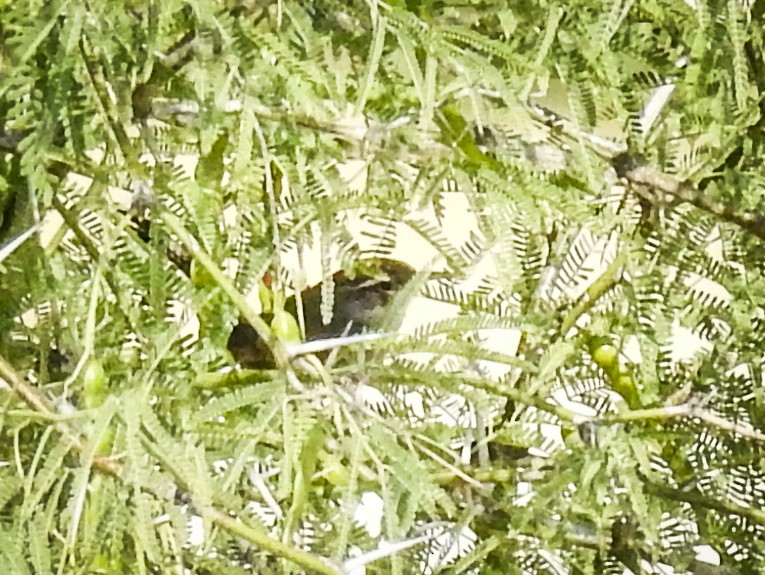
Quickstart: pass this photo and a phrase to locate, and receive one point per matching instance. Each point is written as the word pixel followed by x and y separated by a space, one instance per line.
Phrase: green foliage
pixel 580 443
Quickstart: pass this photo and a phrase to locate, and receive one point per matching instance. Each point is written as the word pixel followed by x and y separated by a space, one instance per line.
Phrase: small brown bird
pixel 360 303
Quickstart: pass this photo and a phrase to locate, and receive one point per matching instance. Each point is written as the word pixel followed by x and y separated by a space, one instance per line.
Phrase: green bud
pixel 94 383
pixel 285 327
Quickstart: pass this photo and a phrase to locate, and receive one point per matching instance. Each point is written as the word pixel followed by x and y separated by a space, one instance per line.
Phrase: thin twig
pixel 595 291
pixel 643 175
pixel 688 409
pixel 43 406
pixel 698 500
pixel 319 345
pixel 260 538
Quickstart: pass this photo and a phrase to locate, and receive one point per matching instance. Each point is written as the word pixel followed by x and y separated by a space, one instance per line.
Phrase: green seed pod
pixel 625 386
pixel 335 472
pixel 266 299
pixel 212 380
pixel 606 356
pixel 94 383
pixel 285 327
pixel 94 376
pixel 200 276
pixel 105 445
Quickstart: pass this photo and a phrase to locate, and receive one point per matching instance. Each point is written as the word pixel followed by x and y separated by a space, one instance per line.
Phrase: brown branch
pixel 633 168
pixel 642 175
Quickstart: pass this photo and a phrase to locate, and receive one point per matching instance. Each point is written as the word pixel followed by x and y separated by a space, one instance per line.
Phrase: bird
pixel 360 303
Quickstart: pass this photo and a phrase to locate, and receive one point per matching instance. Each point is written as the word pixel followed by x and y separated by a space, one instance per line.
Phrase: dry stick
pixel 686 192
pixel 643 175
pixel 17 241
pixel 689 409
